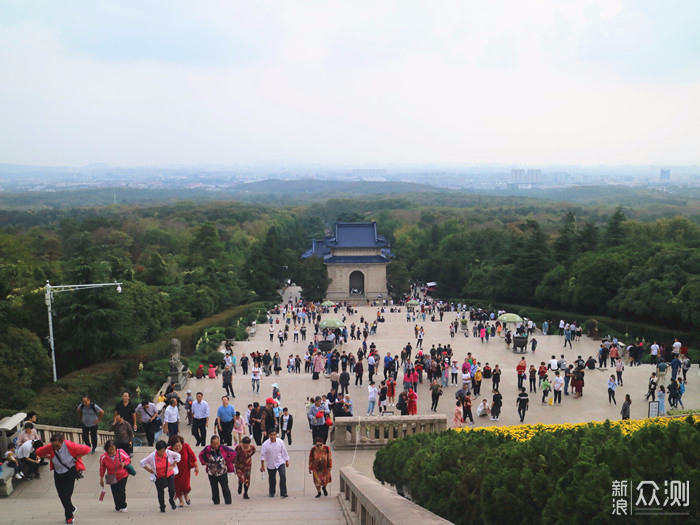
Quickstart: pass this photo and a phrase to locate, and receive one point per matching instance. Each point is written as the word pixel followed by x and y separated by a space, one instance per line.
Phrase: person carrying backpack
pixel 90 416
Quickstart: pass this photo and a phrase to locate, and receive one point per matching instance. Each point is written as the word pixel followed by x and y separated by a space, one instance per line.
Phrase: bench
pixel 6 477
pixel 10 427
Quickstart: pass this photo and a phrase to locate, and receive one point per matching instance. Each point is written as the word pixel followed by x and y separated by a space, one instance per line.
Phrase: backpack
pixel 487 372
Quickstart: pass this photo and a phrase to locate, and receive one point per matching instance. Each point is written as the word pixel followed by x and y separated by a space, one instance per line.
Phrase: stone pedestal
pixel 179 377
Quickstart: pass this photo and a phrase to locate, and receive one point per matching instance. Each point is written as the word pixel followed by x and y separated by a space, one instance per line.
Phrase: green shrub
pixel 214 358
pixel 564 476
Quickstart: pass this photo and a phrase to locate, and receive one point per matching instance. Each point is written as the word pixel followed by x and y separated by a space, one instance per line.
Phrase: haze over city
pixel 517 84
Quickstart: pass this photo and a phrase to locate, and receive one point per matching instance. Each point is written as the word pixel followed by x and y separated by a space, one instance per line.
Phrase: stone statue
pixel 175 347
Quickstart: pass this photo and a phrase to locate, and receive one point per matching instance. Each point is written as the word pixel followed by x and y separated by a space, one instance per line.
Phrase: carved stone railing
pixel 71 434
pixel 377 431
pixel 367 502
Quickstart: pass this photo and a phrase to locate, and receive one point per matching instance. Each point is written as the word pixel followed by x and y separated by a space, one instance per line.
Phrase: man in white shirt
pixel 273 455
pixel 255 378
pixel 558 386
pixel 26 455
pixel 553 364
pixel 370 366
pixel 654 353
pixel 171 418
pixel 677 348
pixel 200 415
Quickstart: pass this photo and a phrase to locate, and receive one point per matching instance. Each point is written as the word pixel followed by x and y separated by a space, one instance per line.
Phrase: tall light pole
pixel 50 290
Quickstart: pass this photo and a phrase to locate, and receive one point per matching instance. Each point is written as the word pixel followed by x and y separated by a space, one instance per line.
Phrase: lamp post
pixel 50 290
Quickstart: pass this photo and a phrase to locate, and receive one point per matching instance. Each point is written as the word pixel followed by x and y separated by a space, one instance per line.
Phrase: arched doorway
pixel 357 284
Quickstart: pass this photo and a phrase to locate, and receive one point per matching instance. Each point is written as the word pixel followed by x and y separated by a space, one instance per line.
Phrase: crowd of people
pixel 265 427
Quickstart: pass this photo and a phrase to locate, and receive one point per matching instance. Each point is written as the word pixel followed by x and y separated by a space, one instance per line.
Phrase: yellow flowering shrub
pixel 526 432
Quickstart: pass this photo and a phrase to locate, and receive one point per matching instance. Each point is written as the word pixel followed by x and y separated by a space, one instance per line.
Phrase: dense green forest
pixel 184 261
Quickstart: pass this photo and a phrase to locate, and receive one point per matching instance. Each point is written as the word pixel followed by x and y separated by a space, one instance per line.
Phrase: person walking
pixel 162 465
pixel 458 415
pixel 123 434
pixel 412 398
pixel 227 381
pixel 661 398
pixel 238 428
pixel 188 461
pixel 557 388
pixel 148 412
pixel 496 404
pixel 225 416
pixel 344 381
pixel 320 465
pixel 171 419
pixel 90 416
pixel 619 367
pixel 467 409
pixel 521 371
pixel 545 387
pixel 200 420
pixel 244 464
pixel 65 461
pixel 317 415
pixel 523 403
pixel 372 395
pixel 219 461
pixel 255 374
pixel 113 471
pixel 612 384
pixel 651 392
pixel 127 410
pixel 359 368
pixel 435 393
pixel 625 411
pixel 285 424
pixel 274 457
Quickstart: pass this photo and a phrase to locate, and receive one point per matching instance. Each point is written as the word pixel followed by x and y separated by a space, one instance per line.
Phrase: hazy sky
pixel 524 81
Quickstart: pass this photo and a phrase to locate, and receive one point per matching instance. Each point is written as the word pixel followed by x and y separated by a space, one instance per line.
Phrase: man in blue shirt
pixel 224 420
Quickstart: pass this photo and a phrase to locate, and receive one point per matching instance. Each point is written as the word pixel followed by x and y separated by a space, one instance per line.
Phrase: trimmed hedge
pixel 562 475
pixel 104 382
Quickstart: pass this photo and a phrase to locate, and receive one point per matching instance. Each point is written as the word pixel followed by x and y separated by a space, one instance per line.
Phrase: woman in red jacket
pixel 187 462
pixel 412 403
pixel 112 468
pixel 66 465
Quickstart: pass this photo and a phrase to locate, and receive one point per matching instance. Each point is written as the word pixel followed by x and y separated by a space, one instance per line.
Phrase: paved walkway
pixel 36 501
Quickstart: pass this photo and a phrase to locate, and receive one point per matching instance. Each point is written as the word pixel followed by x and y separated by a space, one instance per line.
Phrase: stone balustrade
pixel 71 434
pixel 368 502
pixel 376 431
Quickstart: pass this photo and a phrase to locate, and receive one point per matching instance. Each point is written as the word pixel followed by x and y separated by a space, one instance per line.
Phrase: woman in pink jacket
pixel 112 470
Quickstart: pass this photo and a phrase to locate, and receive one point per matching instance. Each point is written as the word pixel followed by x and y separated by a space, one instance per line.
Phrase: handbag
pixel 157 421
pixel 130 469
pixel 76 473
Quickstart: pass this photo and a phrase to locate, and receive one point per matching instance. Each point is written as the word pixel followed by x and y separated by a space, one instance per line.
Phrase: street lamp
pixel 50 290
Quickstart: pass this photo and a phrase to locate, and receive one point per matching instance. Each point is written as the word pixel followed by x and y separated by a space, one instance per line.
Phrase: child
pixel 11 460
pixel 238 428
pixel 391 390
pixel 247 420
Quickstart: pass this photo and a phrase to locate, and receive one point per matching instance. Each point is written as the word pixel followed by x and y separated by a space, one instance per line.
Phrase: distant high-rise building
pixel 521 175
pixel 665 175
